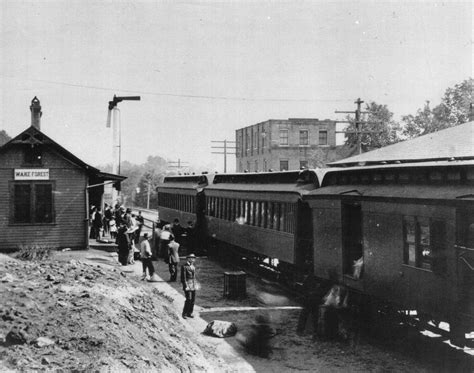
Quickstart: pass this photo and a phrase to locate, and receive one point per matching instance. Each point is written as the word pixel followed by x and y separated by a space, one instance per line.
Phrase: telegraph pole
pixel 224 148
pixel 177 164
pixel 358 122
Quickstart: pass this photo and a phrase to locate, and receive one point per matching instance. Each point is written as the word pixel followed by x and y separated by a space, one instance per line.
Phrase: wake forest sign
pixel 31 173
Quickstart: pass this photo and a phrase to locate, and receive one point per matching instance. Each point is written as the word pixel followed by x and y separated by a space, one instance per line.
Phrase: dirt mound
pixel 78 316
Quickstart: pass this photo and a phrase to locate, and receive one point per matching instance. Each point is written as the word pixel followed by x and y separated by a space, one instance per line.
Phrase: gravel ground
pixel 83 311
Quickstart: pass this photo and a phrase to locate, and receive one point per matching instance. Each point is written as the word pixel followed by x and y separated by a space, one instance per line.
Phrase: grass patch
pixel 35 252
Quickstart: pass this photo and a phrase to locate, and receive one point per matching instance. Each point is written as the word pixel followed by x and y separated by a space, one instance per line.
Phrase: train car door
pixel 351 235
pixel 304 257
pixel 465 274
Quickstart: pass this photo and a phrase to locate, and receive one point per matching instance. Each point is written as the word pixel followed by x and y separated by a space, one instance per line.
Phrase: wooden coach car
pixel 412 226
pixel 263 213
pixel 181 197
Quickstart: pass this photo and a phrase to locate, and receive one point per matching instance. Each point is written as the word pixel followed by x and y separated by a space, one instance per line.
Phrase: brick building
pixel 282 144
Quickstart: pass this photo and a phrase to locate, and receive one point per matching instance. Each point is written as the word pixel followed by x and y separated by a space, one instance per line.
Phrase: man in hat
pixel 188 279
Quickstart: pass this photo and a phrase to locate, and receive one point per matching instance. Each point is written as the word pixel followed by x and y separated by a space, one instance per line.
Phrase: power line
pixel 167 94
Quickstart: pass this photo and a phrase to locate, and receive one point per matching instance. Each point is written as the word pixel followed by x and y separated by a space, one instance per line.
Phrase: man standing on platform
pixel 188 279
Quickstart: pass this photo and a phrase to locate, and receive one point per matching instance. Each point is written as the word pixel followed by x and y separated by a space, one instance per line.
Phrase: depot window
pixel 32 203
pixel 423 242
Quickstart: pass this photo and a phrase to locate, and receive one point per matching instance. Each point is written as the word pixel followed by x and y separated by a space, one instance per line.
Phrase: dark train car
pixel 182 197
pixel 263 213
pixel 412 226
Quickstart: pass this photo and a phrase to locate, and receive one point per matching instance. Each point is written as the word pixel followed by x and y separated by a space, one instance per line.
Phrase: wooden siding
pixel 69 195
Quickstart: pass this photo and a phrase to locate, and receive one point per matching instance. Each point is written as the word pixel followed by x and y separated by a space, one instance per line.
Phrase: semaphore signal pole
pixel 358 122
pixel 224 148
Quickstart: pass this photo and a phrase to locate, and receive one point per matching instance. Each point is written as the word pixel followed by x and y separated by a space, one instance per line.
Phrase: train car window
pixel 470 174
pixel 270 214
pixel 424 242
pixel 438 244
pixel 404 177
pixel 390 177
pixel 264 214
pixel 276 216
pixel 425 253
pixel 246 212
pixel 436 176
pixel 365 178
pixel 252 213
pixel 211 206
pixel 260 213
pixel 283 217
pixel 377 178
pixel 454 175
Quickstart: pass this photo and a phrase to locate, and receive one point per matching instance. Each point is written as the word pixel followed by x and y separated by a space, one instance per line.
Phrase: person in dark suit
pixel 188 280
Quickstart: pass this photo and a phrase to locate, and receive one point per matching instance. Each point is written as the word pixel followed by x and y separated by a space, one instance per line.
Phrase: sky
pixel 204 69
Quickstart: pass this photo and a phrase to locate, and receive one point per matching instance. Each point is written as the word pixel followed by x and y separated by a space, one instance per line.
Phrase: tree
pixel 4 138
pixel 454 109
pixel 423 122
pixel 385 129
pixel 147 186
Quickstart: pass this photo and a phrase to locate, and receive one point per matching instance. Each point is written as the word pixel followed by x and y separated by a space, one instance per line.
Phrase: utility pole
pixel 148 195
pixel 358 122
pixel 224 148
pixel 177 164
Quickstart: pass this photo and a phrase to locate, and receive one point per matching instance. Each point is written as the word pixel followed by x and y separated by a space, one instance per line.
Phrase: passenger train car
pixel 264 214
pixel 181 197
pixel 412 226
pixel 408 229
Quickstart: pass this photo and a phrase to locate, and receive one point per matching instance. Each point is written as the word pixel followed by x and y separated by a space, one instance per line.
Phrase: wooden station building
pixel 46 191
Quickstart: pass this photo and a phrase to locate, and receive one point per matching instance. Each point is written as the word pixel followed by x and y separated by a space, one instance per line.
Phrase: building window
pixel 323 137
pixel 303 165
pixel 423 241
pixel 32 203
pixel 256 165
pixel 284 165
pixel 304 138
pixel 283 137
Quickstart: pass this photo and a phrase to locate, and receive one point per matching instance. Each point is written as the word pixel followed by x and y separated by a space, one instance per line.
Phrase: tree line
pixel 139 189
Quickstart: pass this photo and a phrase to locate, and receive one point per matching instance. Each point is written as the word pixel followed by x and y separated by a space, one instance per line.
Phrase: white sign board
pixel 31 174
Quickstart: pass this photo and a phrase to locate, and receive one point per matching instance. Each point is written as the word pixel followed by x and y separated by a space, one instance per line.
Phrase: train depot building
pixel 46 191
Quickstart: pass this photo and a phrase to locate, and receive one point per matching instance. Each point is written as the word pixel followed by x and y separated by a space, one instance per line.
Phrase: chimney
pixel 36 113
pixel 471 113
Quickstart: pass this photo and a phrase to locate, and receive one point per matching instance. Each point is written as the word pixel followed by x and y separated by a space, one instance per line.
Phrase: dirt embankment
pixel 79 316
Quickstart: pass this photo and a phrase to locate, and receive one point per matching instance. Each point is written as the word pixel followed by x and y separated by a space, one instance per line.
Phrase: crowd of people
pixel 121 225
pixel 124 228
